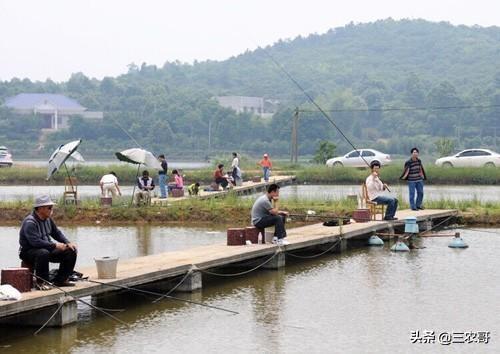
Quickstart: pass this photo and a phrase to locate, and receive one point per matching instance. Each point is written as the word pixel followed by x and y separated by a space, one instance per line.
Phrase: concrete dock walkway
pixel 247 187
pixel 165 266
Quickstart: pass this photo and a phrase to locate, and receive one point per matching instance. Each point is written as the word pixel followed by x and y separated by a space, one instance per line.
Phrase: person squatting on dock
pixel 194 188
pixel 145 185
pixel 376 188
pixel 264 214
pixel 414 173
pixel 37 247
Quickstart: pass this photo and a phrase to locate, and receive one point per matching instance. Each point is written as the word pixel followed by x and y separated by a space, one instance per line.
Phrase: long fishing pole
pixel 161 295
pixel 313 102
pixel 318 107
pixel 126 132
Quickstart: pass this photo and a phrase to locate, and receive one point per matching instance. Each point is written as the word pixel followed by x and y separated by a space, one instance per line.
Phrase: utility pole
pixel 294 150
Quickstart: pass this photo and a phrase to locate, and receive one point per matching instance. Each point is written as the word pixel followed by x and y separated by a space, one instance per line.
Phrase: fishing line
pixel 405 109
pixel 161 295
pixel 130 136
pixel 79 299
pixel 313 102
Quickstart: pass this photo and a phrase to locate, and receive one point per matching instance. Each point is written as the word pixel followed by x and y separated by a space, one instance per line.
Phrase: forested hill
pixel 382 54
pixel 367 67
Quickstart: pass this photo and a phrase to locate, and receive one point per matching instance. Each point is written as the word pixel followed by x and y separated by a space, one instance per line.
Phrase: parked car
pixel 5 157
pixel 355 158
pixel 471 158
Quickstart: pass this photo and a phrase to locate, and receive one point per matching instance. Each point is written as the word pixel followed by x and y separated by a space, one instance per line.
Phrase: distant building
pixel 53 109
pixel 244 104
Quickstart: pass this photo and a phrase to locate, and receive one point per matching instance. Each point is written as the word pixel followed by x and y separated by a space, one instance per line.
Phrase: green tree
pixel 445 146
pixel 325 151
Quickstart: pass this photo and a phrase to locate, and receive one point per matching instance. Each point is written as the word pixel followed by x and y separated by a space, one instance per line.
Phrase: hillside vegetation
pixel 357 71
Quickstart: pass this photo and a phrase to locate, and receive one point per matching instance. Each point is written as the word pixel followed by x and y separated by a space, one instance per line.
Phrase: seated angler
pixel 264 214
pixel 38 248
pixel 376 188
pixel 219 176
pixel 145 185
pixel 178 181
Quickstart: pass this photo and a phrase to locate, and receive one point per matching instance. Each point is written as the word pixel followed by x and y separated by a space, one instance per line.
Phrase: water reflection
pixel 304 192
pixel 365 300
pixel 124 242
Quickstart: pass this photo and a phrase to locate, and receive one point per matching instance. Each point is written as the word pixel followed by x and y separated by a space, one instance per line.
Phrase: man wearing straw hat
pixel 37 247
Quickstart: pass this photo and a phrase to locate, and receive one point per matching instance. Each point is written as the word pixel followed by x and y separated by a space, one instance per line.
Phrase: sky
pixel 41 39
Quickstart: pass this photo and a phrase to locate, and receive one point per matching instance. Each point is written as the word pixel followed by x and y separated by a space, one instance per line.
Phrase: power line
pixel 390 109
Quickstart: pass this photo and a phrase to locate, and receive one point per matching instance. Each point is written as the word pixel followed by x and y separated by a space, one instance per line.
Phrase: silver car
pixel 355 158
pixel 471 158
pixel 5 157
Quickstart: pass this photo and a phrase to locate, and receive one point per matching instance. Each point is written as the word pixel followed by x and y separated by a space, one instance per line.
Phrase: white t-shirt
pixel 109 179
pixel 374 187
pixel 235 163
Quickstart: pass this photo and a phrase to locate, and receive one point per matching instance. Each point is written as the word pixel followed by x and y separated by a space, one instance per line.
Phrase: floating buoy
pixel 400 246
pixel 411 226
pixel 457 242
pixel 375 241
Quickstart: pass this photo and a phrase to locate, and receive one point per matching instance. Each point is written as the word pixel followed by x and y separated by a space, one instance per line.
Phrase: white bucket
pixel 106 267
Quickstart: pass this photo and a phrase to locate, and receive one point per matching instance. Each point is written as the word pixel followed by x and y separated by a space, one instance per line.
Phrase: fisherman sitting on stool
pixel 264 214
pixel 37 247
pixel 145 185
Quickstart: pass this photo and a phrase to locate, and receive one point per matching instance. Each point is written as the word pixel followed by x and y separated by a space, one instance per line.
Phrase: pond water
pixel 327 192
pixel 364 300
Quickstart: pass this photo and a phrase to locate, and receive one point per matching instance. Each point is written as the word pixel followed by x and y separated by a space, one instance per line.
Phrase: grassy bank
pixel 313 174
pixel 435 175
pixel 227 211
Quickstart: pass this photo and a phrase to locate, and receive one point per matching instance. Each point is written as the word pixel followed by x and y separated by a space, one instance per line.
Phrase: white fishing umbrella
pixel 139 157
pixel 61 154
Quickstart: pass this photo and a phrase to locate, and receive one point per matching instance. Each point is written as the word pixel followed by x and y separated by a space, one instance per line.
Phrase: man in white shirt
pixel 235 170
pixel 109 185
pixel 376 188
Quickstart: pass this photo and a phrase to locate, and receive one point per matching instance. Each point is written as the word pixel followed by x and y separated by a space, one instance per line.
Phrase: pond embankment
pixel 312 174
pixel 227 211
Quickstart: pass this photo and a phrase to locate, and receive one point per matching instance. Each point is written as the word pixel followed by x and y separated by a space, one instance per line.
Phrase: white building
pixel 53 109
pixel 245 104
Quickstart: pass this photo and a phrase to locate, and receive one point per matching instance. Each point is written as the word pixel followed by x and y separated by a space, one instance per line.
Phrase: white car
pixel 471 158
pixel 355 158
pixel 5 157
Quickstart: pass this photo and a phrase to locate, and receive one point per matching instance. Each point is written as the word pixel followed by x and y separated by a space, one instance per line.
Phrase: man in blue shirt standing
pixel 162 176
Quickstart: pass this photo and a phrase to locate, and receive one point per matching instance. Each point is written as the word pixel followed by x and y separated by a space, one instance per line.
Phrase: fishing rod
pixel 323 112
pixel 147 292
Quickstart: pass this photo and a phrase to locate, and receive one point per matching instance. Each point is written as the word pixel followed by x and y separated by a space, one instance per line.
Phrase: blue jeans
pixel 419 187
pixel 161 182
pixel 277 220
pixel 392 205
pixel 267 173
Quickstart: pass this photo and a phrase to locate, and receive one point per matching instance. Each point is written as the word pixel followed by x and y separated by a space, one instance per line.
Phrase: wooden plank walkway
pixel 247 187
pixel 144 270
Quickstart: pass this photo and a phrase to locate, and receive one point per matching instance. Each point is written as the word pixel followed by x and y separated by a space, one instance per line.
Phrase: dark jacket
pixel 407 167
pixel 164 166
pixel 142 183
pixel 37 233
